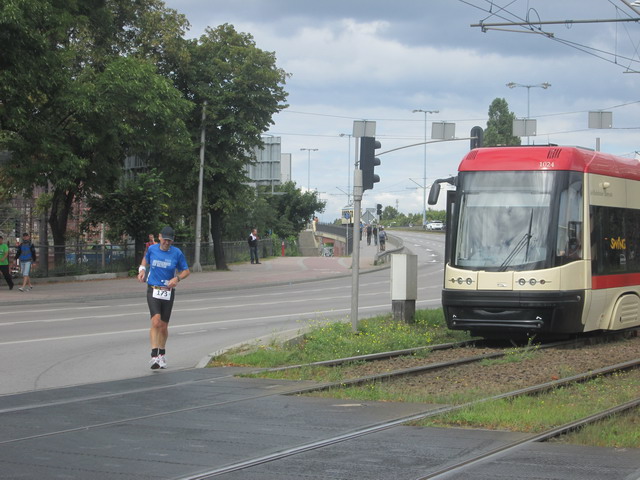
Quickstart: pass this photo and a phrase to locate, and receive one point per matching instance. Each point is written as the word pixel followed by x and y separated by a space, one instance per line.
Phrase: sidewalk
pixel 271 271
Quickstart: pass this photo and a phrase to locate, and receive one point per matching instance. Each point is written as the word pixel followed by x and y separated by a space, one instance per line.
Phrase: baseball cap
pixel 167 233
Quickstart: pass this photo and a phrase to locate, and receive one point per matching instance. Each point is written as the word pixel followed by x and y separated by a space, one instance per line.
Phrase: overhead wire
pixel 601 54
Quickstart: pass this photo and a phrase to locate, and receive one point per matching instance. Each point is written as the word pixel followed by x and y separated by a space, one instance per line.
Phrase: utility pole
pixel 196 267
pixel 355 257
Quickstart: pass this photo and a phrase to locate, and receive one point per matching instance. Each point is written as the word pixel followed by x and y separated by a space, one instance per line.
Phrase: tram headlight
pixel 532 281
pixel 460 280
pixel 522 282
pixel 469 280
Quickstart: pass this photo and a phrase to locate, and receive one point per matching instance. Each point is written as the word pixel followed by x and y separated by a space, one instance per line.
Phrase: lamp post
pixel 309 150
pixel 544 85
pixel 424 176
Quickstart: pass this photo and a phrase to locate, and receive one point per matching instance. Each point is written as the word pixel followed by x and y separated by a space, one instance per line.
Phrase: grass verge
pixel 537 413
pixel 328 341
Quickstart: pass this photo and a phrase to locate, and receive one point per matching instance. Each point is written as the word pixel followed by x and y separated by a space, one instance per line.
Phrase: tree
pixel 80 91
pixel 137 208
pixel 500 125
pixel 239 88
pixel 293 209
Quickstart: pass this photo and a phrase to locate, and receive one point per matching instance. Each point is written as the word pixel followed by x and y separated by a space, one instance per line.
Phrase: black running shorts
pixel 160 307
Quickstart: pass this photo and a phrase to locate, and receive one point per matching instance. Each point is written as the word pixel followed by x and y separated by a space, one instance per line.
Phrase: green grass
pixel 514 355
pixel 337 340
pixel 621 431
pixel 540 412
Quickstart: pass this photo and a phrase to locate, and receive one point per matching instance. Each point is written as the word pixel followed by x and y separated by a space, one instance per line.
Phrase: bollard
pixel 404 286
pixel 282 254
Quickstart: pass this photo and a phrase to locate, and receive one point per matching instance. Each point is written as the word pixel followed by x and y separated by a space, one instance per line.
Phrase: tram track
pixel 458 466
pixel 297 390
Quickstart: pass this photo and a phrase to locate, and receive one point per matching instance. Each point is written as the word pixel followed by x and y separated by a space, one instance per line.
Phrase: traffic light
pixel 476 137
pixel 379 210
pixel 368 161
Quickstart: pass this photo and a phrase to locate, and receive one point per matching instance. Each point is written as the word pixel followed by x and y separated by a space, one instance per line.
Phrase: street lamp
pixel 544 85
pixel 309 150
pixel 424 177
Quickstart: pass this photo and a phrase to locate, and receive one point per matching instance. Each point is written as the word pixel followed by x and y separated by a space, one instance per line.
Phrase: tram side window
pixel 632 229
pixel 615 238
pixel 569 236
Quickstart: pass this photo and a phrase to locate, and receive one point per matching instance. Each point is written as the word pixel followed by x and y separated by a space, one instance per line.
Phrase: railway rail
pixel 469 462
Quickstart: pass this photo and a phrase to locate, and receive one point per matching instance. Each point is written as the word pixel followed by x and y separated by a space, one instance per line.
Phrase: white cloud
pixel 379 60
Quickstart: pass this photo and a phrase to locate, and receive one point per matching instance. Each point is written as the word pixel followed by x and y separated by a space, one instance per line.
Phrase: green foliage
pixel 83 85
pixel 292 209
pixel 499 129
pixel 391 216
pixel 514 355
pixel 80 90
pixel 541 412
pixel 328 341
pixel 137 207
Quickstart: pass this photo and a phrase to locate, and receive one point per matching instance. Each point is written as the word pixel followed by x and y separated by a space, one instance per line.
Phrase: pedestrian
pixel 382 238
pixel 167 267
pixel 375 235
pixel 369 234
pixel 26 254
pixel 253 246
pixel 152 241
pixel 4 262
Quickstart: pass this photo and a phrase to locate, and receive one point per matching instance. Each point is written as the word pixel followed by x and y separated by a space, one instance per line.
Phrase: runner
pixel 167 266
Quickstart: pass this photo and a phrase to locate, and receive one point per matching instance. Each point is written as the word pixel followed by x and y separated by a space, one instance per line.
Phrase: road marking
pixel 174 327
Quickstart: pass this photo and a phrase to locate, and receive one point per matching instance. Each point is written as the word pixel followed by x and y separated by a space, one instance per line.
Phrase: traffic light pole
pixel 355 257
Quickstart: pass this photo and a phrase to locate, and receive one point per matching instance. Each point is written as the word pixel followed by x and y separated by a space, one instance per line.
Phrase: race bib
pixel 162 293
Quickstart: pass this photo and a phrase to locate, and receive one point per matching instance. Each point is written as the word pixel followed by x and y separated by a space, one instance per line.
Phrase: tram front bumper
pixel 523 312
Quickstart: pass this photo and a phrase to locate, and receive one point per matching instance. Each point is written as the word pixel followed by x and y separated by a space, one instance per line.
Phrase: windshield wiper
pixel 525 240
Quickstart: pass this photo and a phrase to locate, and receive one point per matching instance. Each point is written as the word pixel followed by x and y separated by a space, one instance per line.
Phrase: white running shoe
pixel 21 289
pixel 162 361
pixel 155 363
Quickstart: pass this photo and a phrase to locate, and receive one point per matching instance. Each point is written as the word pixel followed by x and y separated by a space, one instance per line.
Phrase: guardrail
pixel 398 247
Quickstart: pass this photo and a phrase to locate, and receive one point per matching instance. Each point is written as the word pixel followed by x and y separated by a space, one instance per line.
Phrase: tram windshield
pixel 519 220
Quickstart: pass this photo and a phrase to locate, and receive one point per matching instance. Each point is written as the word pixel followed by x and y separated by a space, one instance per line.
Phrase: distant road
pixel 62 344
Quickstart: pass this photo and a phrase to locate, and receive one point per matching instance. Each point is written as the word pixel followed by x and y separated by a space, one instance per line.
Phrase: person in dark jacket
pixel 253 246
pixel 26 254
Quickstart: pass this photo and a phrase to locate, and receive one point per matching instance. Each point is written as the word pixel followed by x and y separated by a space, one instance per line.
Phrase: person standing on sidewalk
pixel 167 267
pixel 382 237
pixel 253 246
pixel 27 255
pixel 4 262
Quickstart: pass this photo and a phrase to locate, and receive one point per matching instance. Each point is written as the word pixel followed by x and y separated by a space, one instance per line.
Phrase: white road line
pixel 175 327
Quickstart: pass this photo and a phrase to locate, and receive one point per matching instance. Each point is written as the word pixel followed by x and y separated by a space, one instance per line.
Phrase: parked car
pixel 435 225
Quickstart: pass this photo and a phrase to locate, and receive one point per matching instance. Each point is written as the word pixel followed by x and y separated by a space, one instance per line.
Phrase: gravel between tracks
pixel 542 365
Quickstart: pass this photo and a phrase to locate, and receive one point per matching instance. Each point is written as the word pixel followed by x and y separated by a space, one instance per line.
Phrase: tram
pixel 542 240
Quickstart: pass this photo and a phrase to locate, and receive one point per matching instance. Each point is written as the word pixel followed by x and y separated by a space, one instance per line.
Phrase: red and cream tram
pixel 542 240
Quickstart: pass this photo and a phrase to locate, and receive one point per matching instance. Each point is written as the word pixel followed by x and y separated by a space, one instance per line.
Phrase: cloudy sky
pixel 379 60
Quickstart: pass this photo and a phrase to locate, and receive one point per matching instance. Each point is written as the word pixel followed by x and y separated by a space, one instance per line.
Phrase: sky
pixel 377 60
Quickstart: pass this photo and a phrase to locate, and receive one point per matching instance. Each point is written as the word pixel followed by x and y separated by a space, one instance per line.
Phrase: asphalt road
pixel 63 344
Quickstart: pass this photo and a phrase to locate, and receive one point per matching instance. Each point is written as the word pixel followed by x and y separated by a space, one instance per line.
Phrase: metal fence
pixel 83 259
